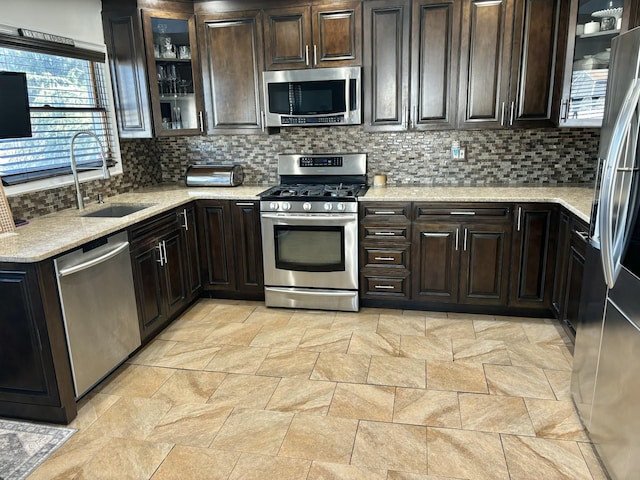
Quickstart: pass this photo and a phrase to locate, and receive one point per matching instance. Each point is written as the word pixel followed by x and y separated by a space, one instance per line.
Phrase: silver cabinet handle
pixel 315 55
pixel 245 204
pixel 583 235
pixel 511 112
pixel 185 225
pixel 262 120
pixel 384 287
pixel 564 113
pixel 385 234
pixel 464 247
pixel 201 121
pixel 347 91
pixel 462 212
pixel 161 260
pixel 457 238
pixel 519 223
pixel 384 212
pixel 502 115
pixel 306 55
pixel 385 259
pixel 405 113
pixel 413 121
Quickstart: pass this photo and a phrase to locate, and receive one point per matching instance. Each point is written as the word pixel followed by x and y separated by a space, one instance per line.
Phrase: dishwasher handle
pixel 119 248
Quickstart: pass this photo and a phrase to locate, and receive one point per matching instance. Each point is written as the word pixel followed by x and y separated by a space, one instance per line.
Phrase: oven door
pixel 310 250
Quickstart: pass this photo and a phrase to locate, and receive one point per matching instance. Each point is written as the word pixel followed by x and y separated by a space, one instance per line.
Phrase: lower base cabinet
pixel 231 248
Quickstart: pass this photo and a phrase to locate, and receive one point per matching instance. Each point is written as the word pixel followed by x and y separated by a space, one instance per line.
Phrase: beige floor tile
pixel 590 456
pixel 531 458
pixel 518 381
pixel 394 475
pixel 125 458
pixel 363 402
pixel 356 322
pixel 396 371
pixel 230 313
pixel 556 419
pixel 233 334
pixel 152 352
pixel 265 467
pixel 134 381
pixel 189 355
pixel 238 359
pixel 386 446
pixel 480 351
pixel 427 348
pixel 288 363
pixel 328 439
pixel 282 337
pixel 560 381
pixel 456 376
pixel 543 332
pixel 130 417
pixel 192 425
pixel 244 391
pixel 372 343
pixel 537 355
pixel 465 454
pixel 312 319
pixel 401 325
pixel 470 316
pixel 253 431
pixel 273 317
pixel 338 471
pixel 449 327
pixel 325 340
pixel 189 330
pixel 302 396
pixel 341 367
pixel 90 408
pixel 199 309
pixel 196 463
pixel 495 413
pixel 499 330
pixel 435 408
pixel 186 386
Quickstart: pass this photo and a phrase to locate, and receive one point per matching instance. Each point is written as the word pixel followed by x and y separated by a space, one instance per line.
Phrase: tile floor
pixel 233 390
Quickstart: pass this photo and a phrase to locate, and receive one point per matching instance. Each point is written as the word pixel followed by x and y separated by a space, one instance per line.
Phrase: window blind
pixel 66 95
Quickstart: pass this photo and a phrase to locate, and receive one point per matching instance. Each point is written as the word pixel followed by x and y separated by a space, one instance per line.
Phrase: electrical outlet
pixel 455 150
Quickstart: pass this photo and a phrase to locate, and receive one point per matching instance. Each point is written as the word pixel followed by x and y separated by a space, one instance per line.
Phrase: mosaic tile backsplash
pixel 506 157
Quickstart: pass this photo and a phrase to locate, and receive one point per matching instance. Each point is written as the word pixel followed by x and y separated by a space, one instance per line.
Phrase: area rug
pixel 24 446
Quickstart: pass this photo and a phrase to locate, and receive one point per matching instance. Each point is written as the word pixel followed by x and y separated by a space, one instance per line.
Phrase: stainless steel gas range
pixel 310 232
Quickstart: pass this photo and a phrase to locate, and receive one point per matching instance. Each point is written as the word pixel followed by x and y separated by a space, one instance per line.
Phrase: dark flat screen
pixel 15 121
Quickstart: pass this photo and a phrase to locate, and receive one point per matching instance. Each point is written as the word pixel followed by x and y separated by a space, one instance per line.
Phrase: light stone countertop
pixel 50 235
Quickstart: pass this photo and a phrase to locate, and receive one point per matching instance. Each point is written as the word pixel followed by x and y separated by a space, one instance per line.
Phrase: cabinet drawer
pixel 386 234
pixel 149 230
pixel 385 212
pixel 387 257
pixel 462 212
pixel 378 286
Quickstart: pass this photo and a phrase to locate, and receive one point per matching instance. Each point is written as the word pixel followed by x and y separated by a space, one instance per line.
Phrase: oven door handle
pixel 311 218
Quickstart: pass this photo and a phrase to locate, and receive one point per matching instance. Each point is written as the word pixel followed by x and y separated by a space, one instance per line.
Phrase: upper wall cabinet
pixel 590 27
pixel 410 88
pixel 313 36
pixel 507 63
pixel 231 45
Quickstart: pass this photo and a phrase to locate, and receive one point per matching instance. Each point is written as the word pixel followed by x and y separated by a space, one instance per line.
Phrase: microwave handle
pixel 347 99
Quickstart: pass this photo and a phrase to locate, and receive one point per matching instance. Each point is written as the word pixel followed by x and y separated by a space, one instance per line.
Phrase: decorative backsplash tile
pixel 507 157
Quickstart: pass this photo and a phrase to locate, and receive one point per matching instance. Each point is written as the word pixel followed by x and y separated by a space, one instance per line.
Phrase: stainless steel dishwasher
pixel 95 284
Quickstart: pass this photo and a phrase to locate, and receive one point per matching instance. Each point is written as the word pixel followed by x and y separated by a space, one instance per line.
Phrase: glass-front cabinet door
pixel 592 26
pixel 172 57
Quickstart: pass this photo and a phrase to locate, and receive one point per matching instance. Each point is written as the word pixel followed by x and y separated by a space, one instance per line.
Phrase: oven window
pixel 309 249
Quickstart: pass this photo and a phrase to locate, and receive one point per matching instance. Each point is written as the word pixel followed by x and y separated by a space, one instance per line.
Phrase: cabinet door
pixel 484 269
pixel 435 34
pixel 125 48
pixel 436 262
pixel 562 256
pixel 337 34
pixel 232 51
pixel 485 50
pixel 575 274
pixel 174 72
pixel 287 34
pixel 191 254
pixel 533 63
pixel 248 247
pixel 148 278
pixel 386 65
pixel 533 256
pixel 173 272
pixel 217 246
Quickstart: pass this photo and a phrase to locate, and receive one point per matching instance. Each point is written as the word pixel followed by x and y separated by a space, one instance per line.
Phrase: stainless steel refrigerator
pixel 606 375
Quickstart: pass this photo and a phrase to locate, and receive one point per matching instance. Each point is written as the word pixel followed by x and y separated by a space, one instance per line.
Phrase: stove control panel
pixel 289 207
pixel 318 161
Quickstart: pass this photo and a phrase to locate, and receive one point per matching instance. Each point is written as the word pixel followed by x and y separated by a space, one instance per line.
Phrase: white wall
pixel 77 19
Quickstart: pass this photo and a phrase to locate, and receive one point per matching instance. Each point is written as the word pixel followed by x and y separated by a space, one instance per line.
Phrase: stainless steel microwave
pixel 312 97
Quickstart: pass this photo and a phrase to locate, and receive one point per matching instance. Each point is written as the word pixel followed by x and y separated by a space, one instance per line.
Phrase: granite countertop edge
pixel 50 235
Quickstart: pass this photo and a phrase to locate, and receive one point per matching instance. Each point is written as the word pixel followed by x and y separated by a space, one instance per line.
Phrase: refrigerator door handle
pixel 610 246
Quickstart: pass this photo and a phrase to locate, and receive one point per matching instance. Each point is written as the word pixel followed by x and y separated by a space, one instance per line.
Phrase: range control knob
pixel 306 206
pixel 328 206
pixel 286 206
pixel 340 207
pixel 273 206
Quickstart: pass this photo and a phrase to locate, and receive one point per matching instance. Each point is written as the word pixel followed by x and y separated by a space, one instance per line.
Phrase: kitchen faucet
pixel 74 165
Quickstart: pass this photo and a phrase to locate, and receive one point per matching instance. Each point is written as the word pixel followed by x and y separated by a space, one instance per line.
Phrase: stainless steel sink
pixel 117 210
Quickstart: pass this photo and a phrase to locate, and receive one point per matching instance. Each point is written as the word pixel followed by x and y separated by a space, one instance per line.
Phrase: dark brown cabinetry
pixel 507 62
pixel 35 378
pixel 385 250
pixel 533 260
pixel 163 259
pixel 232 51
pixel 460 253
pixel 313 36
pixel 231 248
